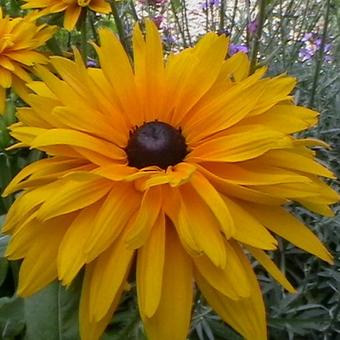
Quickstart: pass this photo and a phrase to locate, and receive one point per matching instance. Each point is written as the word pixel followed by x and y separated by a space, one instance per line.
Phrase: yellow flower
pixel 72 8
pixel 180 165
pixel 19 37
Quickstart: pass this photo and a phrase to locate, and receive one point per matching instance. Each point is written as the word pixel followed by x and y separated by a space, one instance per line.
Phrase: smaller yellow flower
pixel 19 37
pixel 72 8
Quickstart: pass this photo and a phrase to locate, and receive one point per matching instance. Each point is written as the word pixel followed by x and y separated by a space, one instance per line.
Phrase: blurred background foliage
pixel 300 37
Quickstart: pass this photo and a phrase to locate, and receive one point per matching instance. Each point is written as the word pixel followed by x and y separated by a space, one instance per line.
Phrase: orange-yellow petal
pixel 177 292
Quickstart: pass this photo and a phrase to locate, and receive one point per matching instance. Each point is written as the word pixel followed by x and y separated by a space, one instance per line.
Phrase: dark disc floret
pixel 155 143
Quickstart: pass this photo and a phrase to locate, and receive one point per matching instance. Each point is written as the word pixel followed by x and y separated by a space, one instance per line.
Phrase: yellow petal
pixel 2 100
pixel 109 273
pixel 100 6
pixel 231 281
pixel 145 219
pixel 200 70
pixel 238 191
pixel 245 143
pixel 149 70
pixel 71 256
pixel 222 111
pixel 5 78
pixel 121 78
pixel 237 66
pixel 71 16
pixel 214 201
pixel 26 204
pixel 276 90
pixel 249 174
pixel 40 168
pixel 174 176
pixel 173 208
pixel 290 190
pixel 202 225
pixel 75 138
pixel 150 263
pixel 38 271
pixel 89 328
pixel 172 317
pixel 311 142
pixel 247 316
pixel 121 172
pixel 322 209
pixel 271 268
pixel 111 218
pixel 248 229
pixel 22 237
pixel 101 110
pixel 24 133
pixel 287 226
pixel 291 160
pixel 285 118
pixel 72 196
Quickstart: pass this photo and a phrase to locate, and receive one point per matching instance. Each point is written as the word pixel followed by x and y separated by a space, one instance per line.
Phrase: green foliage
pixel 53 313
pixel 12 320
pixel 314 311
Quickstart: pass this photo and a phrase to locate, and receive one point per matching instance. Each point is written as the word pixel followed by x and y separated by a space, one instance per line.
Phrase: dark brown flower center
pixel 155 143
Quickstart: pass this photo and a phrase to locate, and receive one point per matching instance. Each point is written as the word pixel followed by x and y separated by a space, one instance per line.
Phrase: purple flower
pixel 328 58
pixel 158 19
pixel 209 3
pixel 153 2
pixel 317 42
pixel 252 26
pixel 311 44
pixel 91 63
pixel 327 47
pixel 306 54
pixel 307 36
pixel 168 38
pixel 235 48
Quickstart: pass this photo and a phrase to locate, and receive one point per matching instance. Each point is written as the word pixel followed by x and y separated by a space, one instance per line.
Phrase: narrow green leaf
pixel 53 313
pixel 3 244
pixel 3 270
pixel 11 317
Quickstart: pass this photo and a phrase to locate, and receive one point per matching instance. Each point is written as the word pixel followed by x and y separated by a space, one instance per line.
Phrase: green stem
pixel 246 20
pixel 233 17
pixel 187 22
pixel 93 28
pixel 257 37
pixel 181 32
pixel 222 16
pixel 206 16
pixel 321 54
pixel 134 11
pixel 283 35
pixel 307 25
pixel 120 28
pixel 83 35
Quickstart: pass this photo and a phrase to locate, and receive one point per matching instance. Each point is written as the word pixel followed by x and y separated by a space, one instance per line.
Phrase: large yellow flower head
pixel 176 166
pixel 19 37
pixel 72 8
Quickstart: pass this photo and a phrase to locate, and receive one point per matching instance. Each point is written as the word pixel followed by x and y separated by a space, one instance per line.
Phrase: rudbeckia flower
pixel 72 8
pixel 19 37
pixel 171 170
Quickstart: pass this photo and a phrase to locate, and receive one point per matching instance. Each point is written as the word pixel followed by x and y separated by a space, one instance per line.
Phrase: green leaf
pixel 4 135
pixel 11 317
pixel 4 239
pixel 222 331
pixel 53 313
pixel 3 244
pixel 53 45
pixel 3 270
pixel 5 174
